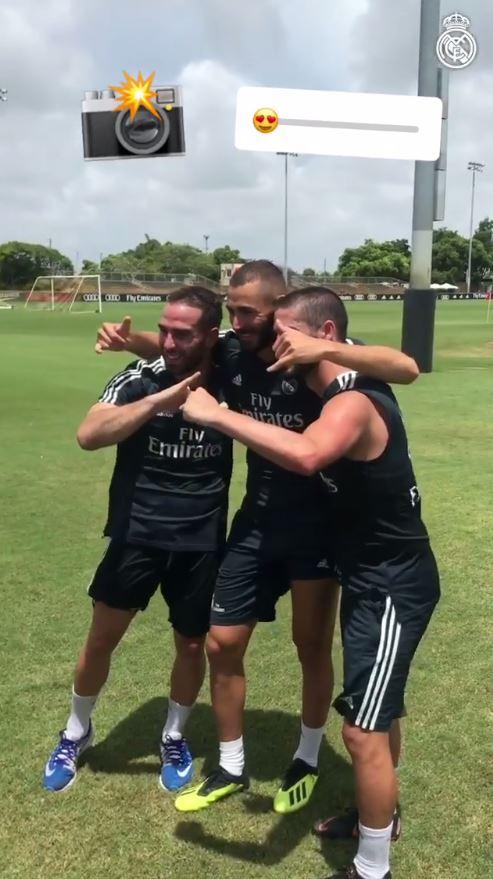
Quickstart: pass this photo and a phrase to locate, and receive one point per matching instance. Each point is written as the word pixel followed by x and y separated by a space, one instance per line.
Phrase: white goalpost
pixel 75 293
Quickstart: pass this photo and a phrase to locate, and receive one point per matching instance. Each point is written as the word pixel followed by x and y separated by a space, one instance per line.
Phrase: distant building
pixel 227 271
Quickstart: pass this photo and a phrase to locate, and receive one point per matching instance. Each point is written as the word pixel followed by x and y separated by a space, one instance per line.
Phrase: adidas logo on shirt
pixel 346 380
pixel 237 381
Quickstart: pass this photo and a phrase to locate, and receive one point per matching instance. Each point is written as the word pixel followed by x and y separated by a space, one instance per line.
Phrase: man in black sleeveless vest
pixel 390 583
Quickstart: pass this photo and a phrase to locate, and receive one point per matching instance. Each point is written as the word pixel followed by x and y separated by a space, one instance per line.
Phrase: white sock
pixel 176 719
pixel 372 859
pixel 309 744
pixel 232 756
pixel 80 716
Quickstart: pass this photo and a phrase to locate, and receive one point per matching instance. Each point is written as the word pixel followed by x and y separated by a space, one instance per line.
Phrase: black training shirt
pixel 277 498
pixel 377 505
pixel 170 483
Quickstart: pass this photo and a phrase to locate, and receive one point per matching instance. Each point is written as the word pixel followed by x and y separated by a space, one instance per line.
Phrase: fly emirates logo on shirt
pixel 190 444
pixel 262 409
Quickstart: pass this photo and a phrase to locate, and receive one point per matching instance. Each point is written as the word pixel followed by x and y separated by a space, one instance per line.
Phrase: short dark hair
pixel 316 305
pixel 200 297
pixel 260 270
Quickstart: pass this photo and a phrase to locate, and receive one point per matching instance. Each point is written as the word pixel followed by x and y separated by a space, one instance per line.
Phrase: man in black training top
pixel 166 525
pixel 389 579
pixel 278 539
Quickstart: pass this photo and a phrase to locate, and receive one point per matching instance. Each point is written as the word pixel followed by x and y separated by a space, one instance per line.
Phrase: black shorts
pixel 128 576
pixel 259 566
pixel 381 629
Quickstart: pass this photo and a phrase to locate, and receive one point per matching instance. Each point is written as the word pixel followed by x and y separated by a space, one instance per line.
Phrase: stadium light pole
pixel 475 167
pixel 418 316
pixel 206 242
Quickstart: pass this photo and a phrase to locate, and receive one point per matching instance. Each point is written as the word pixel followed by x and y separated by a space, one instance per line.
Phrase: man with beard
pixel 166 525
pixel 277 541
pixel 388 573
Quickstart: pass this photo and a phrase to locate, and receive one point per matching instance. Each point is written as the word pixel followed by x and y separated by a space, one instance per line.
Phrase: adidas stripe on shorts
pixel 382 626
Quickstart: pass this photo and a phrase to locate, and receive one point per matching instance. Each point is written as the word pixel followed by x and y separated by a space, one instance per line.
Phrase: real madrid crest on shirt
pixel 456 46
pixel 289 386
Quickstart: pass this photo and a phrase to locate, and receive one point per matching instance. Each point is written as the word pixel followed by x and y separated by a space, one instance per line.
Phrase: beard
pixel 259 339
pixel 184 365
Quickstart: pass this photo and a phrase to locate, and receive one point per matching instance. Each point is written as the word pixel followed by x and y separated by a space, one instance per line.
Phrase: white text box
pixel 341 123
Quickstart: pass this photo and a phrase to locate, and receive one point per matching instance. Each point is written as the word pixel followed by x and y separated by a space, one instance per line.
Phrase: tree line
pixel 168 258
pixel 392 259
pixel 21 262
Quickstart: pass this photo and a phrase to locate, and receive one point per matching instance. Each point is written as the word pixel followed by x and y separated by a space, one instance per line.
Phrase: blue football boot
pixel 177 764
pixel 61 769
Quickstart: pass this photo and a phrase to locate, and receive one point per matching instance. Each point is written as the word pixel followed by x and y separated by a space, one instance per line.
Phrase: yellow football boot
pixel 296 789
pixel 215 787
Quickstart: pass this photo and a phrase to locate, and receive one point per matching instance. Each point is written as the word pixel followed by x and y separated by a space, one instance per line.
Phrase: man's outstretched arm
pixel 119 337
pixel 378 361
pixel 107 423
pixel 339 427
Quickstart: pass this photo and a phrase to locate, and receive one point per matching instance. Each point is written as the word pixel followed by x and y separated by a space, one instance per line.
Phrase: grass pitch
pixel 116 821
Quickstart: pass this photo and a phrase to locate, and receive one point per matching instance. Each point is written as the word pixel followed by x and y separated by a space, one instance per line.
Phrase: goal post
pixel 77 294
pixel 81 295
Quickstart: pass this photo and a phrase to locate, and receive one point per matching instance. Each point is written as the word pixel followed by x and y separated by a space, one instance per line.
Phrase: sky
pixel 51 52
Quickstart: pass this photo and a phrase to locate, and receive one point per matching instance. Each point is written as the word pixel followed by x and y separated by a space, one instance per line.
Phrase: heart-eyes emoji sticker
pixel 265 120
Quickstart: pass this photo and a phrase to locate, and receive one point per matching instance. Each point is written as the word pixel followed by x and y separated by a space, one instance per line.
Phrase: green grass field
pixel 116 822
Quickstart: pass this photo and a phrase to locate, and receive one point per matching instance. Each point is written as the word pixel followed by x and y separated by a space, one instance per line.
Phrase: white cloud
pixel 52 51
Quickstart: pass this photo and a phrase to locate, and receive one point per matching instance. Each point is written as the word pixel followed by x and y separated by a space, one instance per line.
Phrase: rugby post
pixel 418 314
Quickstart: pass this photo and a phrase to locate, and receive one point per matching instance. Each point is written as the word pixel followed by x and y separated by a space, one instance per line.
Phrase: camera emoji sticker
pixel 145 121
